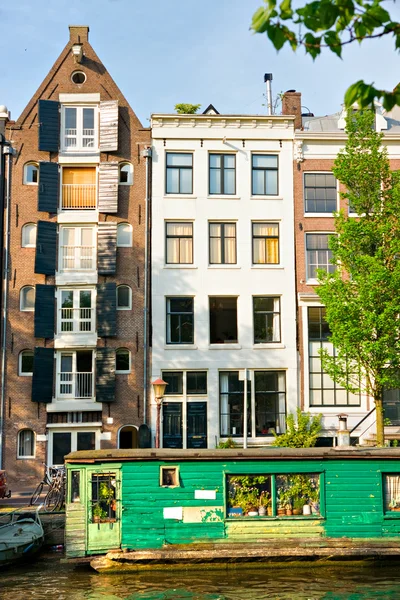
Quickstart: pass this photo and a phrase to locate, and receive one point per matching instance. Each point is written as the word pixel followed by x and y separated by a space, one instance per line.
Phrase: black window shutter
pixel 46 248
pixel 43 370
pixel 106 309
pixel 44 311
pixel 48 188
pixel 49 125
pixel 107 248
pixel 105 375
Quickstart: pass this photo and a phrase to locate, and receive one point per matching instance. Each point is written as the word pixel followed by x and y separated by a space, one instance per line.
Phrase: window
pixel 196 382
pixel 77 249
pixel 265 243
pixel 122 361
pixel 78 128
pixel 222 243
pixel 391 484
pixel 75 488
pixel 124 235
pixel 26 363
pixel 27 298
pixel 270 402
pixel 29 235
pixel 231 391
pixel 222 174
pixel 79 188
pixel 175 383
pixel 318 254
pixel 223 320
pixel 320 192
pixel 180 322
pixel 125 174
pixel 264 174
pixel 323 390
pixel 78 77
pixel 179 179
pixel 169 476
pixel 31 173
pixel 26 444
pixel 103 497
pixel 124 297
pixel 267 326
pixel 75 375
pixel 76 311
pixel 179 243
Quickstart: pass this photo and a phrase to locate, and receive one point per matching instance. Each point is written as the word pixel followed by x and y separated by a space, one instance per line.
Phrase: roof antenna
pixel 267 80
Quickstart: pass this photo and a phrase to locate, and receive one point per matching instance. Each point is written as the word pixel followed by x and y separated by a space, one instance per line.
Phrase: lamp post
pixel 159 388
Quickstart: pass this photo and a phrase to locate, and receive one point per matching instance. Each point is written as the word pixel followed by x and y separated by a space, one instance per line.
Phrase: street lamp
pixel 159 388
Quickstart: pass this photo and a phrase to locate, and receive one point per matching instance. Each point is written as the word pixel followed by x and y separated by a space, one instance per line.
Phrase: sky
pixel 163 52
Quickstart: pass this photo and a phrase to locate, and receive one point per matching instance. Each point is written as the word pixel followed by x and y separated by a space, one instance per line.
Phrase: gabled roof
pixel 210 110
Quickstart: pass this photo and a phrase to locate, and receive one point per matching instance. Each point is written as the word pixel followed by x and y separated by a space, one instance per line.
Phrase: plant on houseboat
pixel 106 492
pixel 98 513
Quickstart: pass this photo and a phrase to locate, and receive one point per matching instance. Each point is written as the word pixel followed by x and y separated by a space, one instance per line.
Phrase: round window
pixel 78 77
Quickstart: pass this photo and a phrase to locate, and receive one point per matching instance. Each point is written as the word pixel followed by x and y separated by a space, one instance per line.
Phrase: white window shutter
pixel 108 187
pixel 109 126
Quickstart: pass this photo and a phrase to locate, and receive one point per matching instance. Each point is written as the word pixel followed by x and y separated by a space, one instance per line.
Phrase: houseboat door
pixel 197 425
pixel 104 510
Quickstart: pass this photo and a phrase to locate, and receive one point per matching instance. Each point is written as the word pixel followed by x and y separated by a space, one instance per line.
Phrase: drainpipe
pixel 146 153
pixel 6 149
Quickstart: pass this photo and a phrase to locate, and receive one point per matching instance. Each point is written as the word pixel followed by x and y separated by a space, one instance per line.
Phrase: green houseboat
pixel 167 505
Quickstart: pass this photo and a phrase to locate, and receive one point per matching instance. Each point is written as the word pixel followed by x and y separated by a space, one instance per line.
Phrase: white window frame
pixel 20 373
pixel 79 129
pixel 21 295
pixel 72 396
pixel 319 213
pixel 25 179
pixel 130 173
pixel 130 297
pixel 26 456
pixel 311 280
pixel 129 226
pixel 122 371
pixel 77 257
pixel 25 244
pixel 76 320
pixel 87 428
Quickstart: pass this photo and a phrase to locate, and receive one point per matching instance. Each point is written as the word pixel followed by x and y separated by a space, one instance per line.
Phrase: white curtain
pixel 179 243
pixel 392 489
pixel 282 402
pixel 275 326
pixel 230 243
pixel 224 404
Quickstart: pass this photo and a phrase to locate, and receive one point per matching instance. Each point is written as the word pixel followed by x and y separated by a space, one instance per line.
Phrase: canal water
pixel 49 579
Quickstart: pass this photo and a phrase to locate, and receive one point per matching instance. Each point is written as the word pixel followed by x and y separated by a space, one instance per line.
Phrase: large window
pixel 265 243
pixel 264 174
pixel 79 189
pixel 193 383
pixel 222 174
pixel 273 495
pixel 180 323
pixel 318 254
pixel 231 392
pixel 323 390
pixel 270 402
pixel 26 444
pixel 77 249
pixel 179 243
pixel 223 320
pixel 179 176
pixel 79 128
pixel 76 313
pixel 320 195
pixel 222 243
pixel 267 327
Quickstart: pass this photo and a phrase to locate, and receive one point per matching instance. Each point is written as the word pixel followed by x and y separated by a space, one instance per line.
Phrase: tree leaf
pixel 333 40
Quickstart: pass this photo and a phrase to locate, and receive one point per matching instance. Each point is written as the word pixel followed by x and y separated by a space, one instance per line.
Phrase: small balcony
pixel 77 258
pixel 76 320
pixel 75 385
pixel 79 196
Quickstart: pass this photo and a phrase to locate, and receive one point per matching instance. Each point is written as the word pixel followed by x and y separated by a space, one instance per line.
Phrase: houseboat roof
pixel 153 454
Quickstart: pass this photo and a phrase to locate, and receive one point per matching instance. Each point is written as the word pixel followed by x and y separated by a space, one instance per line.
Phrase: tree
pixel 187 109
pixel 362 297
pixel 331 24
pixel 302 434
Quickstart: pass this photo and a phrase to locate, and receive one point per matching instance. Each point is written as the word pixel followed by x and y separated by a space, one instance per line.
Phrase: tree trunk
pixel 380 431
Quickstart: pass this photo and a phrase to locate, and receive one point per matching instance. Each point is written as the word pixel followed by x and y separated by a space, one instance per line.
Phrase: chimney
pixel 3 119
pixel 78 34
pixel 291 105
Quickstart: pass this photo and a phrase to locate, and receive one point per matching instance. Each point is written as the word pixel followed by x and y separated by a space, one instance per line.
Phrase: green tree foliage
pixel 187 109
pixel 331 24
pixel 301 432
pixel 362 296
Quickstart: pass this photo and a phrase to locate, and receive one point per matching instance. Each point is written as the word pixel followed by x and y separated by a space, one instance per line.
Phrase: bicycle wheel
pixel 52 500
pixel 36 494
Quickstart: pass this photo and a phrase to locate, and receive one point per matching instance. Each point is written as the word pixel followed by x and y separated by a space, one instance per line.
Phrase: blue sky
pixel 162 52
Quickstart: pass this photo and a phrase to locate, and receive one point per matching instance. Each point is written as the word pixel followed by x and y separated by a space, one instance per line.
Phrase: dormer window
pixel 78 130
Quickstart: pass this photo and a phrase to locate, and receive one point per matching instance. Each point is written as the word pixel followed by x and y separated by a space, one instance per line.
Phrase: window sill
pixel 224 266
pixel 228 346
pixel 312 282
pixel 268 345
pixel 181 266
pixel 180 196
pixel 267 266
pixel 223 197
pixel 180 347
pixel 266 197
pixel 326 215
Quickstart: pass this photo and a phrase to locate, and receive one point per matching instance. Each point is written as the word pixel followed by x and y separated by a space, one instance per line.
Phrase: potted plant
pixel 98 513
pixel 298 504
pixel 264 502
pixel 106 492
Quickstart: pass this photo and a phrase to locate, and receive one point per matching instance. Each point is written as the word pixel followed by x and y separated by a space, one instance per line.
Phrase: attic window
pixel 78 77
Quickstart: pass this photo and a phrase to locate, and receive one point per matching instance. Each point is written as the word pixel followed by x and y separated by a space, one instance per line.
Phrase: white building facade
pixel 223 277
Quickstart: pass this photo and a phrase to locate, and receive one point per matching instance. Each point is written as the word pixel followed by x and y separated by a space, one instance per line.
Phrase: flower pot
pixel 262 511
pixel 297 511
pixel 281 511
pixel 269 511
pixel 96 519
pixel 253 513
pixel 315 508
pixel 306 509
pixel 289 511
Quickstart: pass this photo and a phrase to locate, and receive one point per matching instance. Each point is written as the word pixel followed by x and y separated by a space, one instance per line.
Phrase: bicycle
pixel 55 496
pixel 47 478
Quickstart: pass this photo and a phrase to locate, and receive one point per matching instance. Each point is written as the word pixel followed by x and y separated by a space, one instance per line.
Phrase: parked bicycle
pixel 54 478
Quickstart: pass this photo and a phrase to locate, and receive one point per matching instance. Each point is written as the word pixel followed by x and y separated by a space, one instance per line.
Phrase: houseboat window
pixel 392 492
pixel 75 486
pixel 273 495
pixel 169 476
pixel 104 502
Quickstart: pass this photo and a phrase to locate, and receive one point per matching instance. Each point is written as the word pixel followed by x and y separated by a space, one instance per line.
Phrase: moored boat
pixel 20 537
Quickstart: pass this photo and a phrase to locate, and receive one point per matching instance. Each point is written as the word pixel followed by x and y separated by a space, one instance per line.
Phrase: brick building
pixel 75 327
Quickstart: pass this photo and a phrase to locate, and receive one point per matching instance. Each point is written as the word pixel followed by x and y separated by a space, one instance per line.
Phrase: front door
pixel 104 510
pixel 172 425
pixel 197 424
